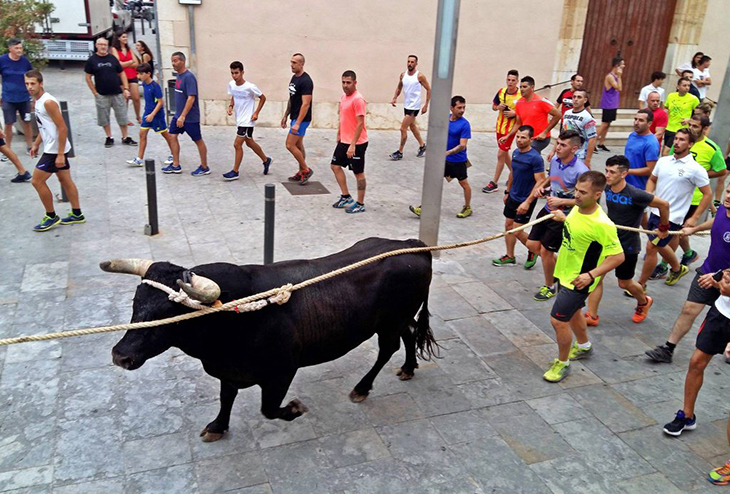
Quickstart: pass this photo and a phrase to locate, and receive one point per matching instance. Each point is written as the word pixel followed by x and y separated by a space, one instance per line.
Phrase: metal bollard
pixel 152 228
pixel 71 154
pixel 269 209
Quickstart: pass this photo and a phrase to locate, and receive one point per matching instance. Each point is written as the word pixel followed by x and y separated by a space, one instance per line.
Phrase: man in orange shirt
pixel 504 102
pixel 352 142
pixel 534 110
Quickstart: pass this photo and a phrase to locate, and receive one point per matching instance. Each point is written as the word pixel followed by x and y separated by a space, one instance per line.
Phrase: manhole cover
pixel 311 188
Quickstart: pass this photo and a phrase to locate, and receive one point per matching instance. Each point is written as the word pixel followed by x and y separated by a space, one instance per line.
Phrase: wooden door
pixel 638 31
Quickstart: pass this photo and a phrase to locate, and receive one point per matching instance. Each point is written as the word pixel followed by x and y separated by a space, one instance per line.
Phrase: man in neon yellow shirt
pixel 680 106
pixel 590 249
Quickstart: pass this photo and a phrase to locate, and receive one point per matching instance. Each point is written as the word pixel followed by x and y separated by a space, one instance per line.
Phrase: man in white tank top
pixel 53 132
pixel 411 83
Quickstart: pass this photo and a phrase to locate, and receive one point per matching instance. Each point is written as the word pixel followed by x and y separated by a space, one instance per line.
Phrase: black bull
pixel 320 323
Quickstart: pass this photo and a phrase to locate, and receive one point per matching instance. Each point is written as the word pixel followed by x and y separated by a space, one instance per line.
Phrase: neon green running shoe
pixel 577 353
pixel 504 260
pixel 557 372
pixel 545 293
pixel 674 277
pixel 465 212
pixel 415 210
pixel 531 261
pixel 720 475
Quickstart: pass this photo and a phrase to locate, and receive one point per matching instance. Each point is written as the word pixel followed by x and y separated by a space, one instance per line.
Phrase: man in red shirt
pixel 534 110
pixel 352 142
pixel 653 102
pixel 565 99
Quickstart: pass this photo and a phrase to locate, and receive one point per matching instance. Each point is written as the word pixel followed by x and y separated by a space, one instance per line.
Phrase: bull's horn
pixel 128 266
pixel 201 289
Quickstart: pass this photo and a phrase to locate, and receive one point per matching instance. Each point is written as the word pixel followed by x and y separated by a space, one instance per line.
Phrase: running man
pixel 154 114
pixel 299 110
pixel 580 119
pixel 52 131
pixel 642 149
pixel 590 248
pixel 545 238
pixel 612 87
pixel 410 84
pixel 456 159
pixel 680 106
pixel 243 97
pixel 352 142
pixel 15 98
pixel 527 171
pixel 504 102
pixel 626 205
pixel 661 118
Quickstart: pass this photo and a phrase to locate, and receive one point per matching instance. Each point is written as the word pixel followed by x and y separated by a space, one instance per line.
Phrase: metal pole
pixel 720 130
pixel 71 153
pixel 269 209
pixel 152 228
pixel 158 54
pixel 447 24
pixel 193 48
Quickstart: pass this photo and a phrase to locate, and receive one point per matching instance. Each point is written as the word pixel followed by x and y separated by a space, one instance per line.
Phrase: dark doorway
pixel 637 30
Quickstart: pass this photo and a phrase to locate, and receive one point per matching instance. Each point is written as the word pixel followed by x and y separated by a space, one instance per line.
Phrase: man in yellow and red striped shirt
pixel 504 102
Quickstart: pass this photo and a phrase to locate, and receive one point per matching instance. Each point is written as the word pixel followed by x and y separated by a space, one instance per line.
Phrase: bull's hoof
pixel 356 397
pixel 404 375
pixel 210 437
pixel 297 407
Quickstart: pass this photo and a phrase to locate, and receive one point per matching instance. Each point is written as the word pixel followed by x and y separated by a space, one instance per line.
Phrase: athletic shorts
pixel 456 169
pixel 2 142
pixel 627 269
pixel 714 334
pixel 653 224
pixel 506 145
pixel 699 295
pixel 540 144
pixel 692 209
pixel 192 129
pixel 669 138
pixel 157 124
pixel 10 111
pixel 549 232
pixel 245 132
pixel 510 211
pixel 608 115
pixel 47 163
pixel 356 163
pixel 105 103
pixel 412 113
pixel 302 128
pixel 133 80
pixel 567 303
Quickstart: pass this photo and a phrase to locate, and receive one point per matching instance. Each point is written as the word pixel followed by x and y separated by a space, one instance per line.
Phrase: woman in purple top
pixel 609 99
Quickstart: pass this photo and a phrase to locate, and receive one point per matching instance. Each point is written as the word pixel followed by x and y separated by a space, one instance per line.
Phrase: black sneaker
pixel 680 423
pixel 490 187
pixel 267 164
pixel 128 141
pixel 421 151
pixel 660 272
pixel 109 142
pixel 688 259
pixel 396 156
pixel 306 176
pixel 660 354
pixel 603 148
pixel 25 177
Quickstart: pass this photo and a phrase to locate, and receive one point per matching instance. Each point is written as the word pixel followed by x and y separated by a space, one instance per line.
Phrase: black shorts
pixel 608 116
pixel 714 333
pixel 456 169
pixel 11 110
pixel 549 232
pixel 540 144
pixel 133 80
pixel 2 142
pixel 627 269
pixel 653 224
pixel 567 303
pixel 669 138
pixel 47 163
pixel 412 113
pixel 690 212
pixel 246 132
pixel 699 295
pixel 510 211
pixel 356 163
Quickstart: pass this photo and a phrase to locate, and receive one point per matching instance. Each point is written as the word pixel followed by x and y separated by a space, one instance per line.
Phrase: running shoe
pixel 673 277
pixel 109 142
pixel 415 210
pixel 356 208
pixel 545 293
pixel 642 311
pixel 490 187
pixel 578 353
pixel 73 219
pixel 661 354
pixel 343 202
pixel 128 141
pixel 25 177
pixel 169 160
pixel 603 148
pixel 47 223
pixel 680 423
pixel 531 261
pixel 688 259
pixel 135 162
pixel 660 272
pixel 591 320
pixel 628 293
pixel 720 475
pixel 396 156
pixel 230 176
pixel 200 171
pixel 295 178
pixel 4 158
pixel 557 372
pixel 716 203
pixel 267 164
pixel 464 213
pixel 304 177
pixel 421 151
pixel 172 169
pixel 505 260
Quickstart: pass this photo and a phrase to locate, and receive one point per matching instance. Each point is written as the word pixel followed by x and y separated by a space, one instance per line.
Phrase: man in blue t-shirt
pixel 187 117
pixel 15 97
pixel 642 150
pixel 528 170
pixel 456 160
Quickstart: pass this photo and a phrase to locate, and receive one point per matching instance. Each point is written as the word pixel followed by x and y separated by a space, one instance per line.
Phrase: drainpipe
pixel 193 50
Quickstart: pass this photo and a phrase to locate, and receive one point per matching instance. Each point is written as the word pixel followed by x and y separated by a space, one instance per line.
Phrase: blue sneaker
pixel 229 176
pixel 169 161
pixel 47 223
pixel 680 423
pixel 200 171
pixel 267 164
pixel 172 169
pixel 135 162
pixel 356 208
pixel 343 202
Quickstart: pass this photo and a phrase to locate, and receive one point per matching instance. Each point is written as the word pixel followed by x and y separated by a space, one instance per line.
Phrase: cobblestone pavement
pixel 481 419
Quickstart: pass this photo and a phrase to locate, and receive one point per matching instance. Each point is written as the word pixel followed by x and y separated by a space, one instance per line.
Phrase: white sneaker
pixel 4 158
pixel 135 162
pixel 169 160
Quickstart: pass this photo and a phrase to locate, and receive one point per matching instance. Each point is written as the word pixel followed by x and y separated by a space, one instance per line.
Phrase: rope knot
pixel 283 294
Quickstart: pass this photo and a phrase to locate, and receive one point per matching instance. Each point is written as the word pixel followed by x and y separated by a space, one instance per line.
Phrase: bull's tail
pixel 426 344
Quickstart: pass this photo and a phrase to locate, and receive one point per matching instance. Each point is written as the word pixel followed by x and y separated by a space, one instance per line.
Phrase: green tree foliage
pixel 20 19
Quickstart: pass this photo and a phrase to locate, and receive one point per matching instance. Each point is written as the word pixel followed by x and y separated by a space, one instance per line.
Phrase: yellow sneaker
pixel 465 212
pixel 577 353
pixel 557 372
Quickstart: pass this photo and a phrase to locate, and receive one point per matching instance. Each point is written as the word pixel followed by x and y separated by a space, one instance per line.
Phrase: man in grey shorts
pixel 110 88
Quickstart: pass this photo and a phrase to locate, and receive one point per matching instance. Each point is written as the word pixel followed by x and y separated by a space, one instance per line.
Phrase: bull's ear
pixel 138 267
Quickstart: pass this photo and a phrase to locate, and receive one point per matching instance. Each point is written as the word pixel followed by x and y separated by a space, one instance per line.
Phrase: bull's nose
pixel 122 361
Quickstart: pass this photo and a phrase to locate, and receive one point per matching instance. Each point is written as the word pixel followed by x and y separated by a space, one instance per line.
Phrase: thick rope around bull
pixel 276 295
